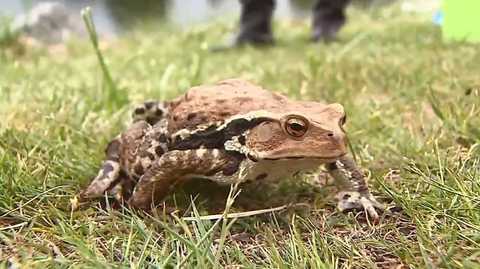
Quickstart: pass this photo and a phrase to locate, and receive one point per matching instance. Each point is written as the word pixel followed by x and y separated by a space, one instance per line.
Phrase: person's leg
pixel 255 22
pixel 328 18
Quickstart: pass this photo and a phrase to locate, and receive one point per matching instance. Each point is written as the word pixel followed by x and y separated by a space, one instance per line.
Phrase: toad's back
pixel 206 104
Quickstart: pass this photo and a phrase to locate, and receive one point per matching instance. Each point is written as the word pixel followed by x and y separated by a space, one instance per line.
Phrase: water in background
pixel 117 16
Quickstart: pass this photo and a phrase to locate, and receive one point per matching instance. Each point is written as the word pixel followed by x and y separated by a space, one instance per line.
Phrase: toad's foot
pixel 364 201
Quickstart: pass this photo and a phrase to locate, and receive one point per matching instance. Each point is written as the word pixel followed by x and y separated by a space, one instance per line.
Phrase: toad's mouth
pixel 319 158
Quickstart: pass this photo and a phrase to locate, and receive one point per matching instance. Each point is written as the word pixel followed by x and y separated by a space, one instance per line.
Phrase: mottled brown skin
pixel 206 104
pixel 229 132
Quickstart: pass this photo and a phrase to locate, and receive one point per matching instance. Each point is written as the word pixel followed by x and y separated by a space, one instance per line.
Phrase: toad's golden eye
pixel 296 127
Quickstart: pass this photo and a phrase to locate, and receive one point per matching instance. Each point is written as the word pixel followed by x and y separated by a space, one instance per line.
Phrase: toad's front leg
pixel 172 168
pixel 354 192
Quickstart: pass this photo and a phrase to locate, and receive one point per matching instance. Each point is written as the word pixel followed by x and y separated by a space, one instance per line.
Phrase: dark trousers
pixel 256 17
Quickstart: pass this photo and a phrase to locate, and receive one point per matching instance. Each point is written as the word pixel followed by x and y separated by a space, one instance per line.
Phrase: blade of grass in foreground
pixel 114 98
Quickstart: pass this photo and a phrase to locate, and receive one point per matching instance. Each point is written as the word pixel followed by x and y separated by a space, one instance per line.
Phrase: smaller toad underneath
pixel 230 132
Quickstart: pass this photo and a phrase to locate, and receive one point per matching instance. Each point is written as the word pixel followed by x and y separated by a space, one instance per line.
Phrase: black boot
pixel 255 22
pixel 328 18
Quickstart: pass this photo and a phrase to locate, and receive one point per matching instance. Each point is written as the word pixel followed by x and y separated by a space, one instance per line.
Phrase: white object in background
pixel 421 6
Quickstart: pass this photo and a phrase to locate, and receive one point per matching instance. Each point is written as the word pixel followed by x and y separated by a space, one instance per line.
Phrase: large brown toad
pixel 229 132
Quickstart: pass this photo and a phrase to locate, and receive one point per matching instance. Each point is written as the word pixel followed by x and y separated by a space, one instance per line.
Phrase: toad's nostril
pixel 330 134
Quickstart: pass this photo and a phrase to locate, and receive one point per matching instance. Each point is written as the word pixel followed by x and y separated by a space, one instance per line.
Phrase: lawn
pixel 413 105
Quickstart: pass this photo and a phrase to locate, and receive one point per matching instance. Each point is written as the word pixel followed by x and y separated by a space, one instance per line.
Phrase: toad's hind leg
pixel 112 177
pixel 150 111
pixel 108 175
pixel 123 187
pixel 354 192
pixel 172 168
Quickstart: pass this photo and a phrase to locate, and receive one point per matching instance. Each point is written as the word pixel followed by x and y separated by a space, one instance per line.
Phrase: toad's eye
pixel 296 127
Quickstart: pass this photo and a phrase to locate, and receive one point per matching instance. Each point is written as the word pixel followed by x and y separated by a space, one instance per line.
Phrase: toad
pixel 230 132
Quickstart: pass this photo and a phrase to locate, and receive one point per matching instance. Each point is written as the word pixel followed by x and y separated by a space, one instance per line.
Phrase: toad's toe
pixel 348 200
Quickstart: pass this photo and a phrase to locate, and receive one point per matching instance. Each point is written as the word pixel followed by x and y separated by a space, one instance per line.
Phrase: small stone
pixel 48 23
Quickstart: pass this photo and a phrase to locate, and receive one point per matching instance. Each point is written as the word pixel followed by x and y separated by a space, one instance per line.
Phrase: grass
pixel 413 104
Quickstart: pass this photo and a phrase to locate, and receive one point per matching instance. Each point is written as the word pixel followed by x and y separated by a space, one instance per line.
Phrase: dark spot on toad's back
pixel 191 116
pixel 139 110
pixel 151 156
pixel 162 138
pixel 242 140
pixel 138 169
pixel 151 120
pixel 149 105
pixel 159 150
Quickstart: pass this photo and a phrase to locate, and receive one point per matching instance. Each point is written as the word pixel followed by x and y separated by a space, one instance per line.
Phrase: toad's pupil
pixel 297 127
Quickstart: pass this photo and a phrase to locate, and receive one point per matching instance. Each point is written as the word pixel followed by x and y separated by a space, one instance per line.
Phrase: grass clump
pixel 413 104
pixel 7 36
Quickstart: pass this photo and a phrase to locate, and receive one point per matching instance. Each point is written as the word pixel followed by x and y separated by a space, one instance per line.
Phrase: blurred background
pixel 113 17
